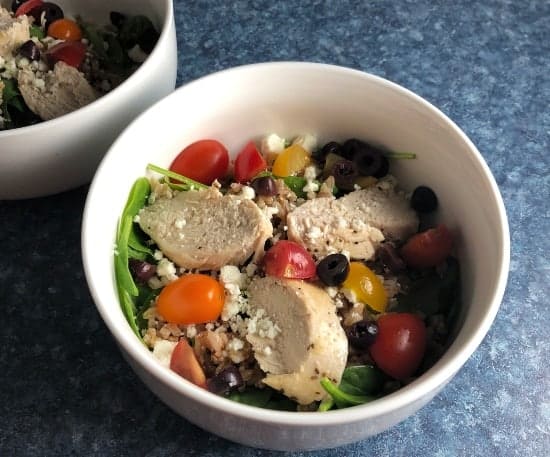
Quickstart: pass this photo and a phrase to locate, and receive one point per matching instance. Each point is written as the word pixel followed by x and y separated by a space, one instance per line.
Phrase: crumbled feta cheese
pixel 180 223
pixel 230 274
pixel 311 186
pixel 158 255
pixel 307 141
pixel 310 172
pixel 247 192
pixel 191 331
pixel 167 269
pixel 314 232
pixel 137 54
pixel 272 144
pixel 162 351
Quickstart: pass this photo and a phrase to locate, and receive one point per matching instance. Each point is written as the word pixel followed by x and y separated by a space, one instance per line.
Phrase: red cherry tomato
pixel 429 248
pixel 287 259
pixel 400 344
pixel 70 52
pixel 26 7
pixel 204 161
pixel 249 163
pixel 185 363
pixel 191 299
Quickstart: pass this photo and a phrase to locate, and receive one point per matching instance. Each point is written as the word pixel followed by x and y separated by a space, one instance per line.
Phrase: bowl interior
pixel 334 103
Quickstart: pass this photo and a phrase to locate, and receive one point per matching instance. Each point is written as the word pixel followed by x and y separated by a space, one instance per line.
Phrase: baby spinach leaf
pixel 127 288
pixel 434 292
pixel 343 399
pixel 186 183
pixel 252 396
pixel 138 30
pixel 362 380
pixel 263 398
pixel 37 32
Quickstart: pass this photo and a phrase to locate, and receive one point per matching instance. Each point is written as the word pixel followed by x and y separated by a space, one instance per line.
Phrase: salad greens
pixel 127 240
pixel 267 398
pixel 434 292
pixel 360 384
pixel 184 182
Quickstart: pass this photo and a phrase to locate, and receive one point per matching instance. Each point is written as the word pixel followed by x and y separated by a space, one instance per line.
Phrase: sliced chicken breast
pixel 206 230
pixel 356 223
pixel 13 32
pixel 309 343
pixel 65 89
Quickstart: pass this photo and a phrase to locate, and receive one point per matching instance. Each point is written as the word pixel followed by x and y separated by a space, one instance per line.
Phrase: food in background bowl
pixel 300 281
pixel 62 153
pixel 52 64
pixel 293 98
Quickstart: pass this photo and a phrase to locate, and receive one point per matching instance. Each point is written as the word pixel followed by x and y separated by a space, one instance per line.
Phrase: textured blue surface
pixel 65 390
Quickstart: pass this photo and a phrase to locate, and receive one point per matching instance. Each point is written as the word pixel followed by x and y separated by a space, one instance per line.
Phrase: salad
pixel 52 64
pixel 297 277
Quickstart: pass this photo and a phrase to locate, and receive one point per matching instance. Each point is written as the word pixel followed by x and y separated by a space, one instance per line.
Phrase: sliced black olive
pixel 330 148
pixel 344 172
pixel 142 271
pixel 351 147
pixel 371 162
pixel 264 186
pixel 333 269
pixel 30 50
pixel 16 4
pixel 362 334
pixel 46 13
pixel 225 381
pixel 424 200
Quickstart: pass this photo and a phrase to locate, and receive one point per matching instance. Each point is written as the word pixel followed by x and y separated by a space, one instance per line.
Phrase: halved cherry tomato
pixel 291 161
pixel 70 52
pixel 249 163
pixel 366 286
pixel 429 248
pixel 400 344
pixel 204 161
pixel 26 7
pixel 287 259
pixel 65 29
pixel 191 299
pixel 185 363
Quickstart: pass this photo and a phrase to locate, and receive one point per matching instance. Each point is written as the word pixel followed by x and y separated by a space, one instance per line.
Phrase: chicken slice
pixel 309 343
pixel 65 90
pixel 13 32
pixel 206 230
pixel 356 223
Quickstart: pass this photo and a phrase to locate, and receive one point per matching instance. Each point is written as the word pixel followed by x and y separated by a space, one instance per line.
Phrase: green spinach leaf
pixel 263 398
pixel 343 399
pixel 127 288
pixel 360 384
pixel 433 293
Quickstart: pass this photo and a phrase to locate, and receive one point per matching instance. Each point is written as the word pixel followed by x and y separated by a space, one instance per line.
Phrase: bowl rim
pixel 126 86
pixel 428 382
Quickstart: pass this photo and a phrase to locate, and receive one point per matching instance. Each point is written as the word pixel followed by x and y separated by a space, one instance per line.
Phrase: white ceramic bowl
pixel 236 105
pixel 63 153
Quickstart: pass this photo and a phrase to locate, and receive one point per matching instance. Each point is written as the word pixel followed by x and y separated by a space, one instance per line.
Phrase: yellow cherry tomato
pixel 291 161
pixel 366 286
pixel 191 299
pixel 65 29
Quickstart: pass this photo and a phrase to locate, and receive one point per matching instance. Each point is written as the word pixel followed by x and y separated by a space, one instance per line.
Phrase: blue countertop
pixel 65 389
